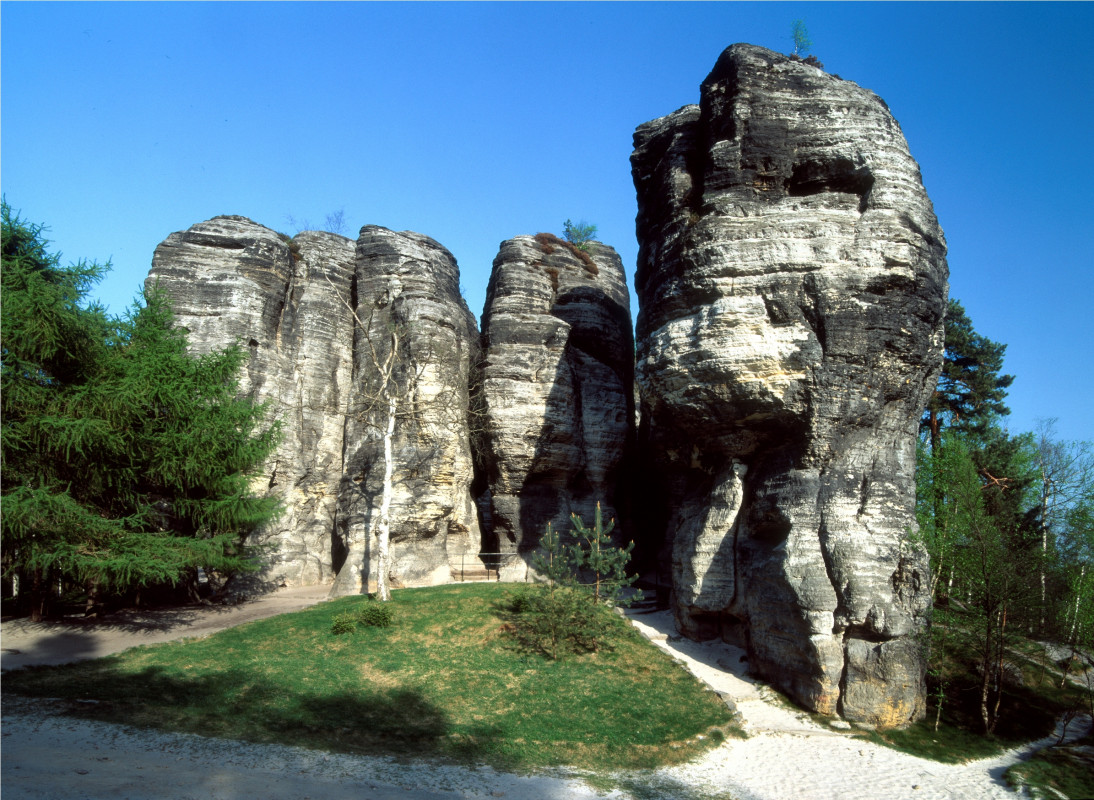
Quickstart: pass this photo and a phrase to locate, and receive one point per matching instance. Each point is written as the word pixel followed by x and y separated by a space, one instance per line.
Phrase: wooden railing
pixel 487 566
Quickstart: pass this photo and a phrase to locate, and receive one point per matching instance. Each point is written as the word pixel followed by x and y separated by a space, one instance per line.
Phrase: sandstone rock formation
pixel 299 305
pixel 792 285
pixel 409 284
pixel 557 376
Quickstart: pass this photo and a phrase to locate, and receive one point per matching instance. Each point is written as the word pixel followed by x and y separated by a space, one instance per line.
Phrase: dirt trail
pixel 24 643
pixel 787 754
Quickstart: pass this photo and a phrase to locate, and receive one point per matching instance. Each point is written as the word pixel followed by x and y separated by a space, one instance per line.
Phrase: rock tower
pixel 315 312
pixel 792 284
pixel 557 378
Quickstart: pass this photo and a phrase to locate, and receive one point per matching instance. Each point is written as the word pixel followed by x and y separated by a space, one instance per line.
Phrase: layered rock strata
pixel 302 307
pixel 792 285
pixel 407 293
pixel 557 399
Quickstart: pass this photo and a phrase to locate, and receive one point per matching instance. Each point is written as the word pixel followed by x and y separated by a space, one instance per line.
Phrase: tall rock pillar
pixel 314 312
pixel 557 399
pixel 792 284
pixel 408 285
pixel 233 281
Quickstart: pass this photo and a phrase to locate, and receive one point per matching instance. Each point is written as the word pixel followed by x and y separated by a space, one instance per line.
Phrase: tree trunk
pixel 986 669
pixel 40 596
pixel 1046 511
pixel 91 607
pixel 999 669
pixel 985 684
pixel 383 566
pixel 1078 596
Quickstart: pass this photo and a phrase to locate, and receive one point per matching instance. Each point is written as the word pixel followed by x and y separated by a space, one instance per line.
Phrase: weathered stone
pixel 792 286
pixel 557 388
pixel 234 281
pixel 408 283
pixel 296 304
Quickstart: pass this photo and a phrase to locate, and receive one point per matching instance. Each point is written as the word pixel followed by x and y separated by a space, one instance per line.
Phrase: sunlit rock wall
pixel 299 306
pixel 792 283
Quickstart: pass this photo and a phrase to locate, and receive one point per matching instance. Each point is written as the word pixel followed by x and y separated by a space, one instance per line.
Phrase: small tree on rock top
pixel 579 234
pixel 802 43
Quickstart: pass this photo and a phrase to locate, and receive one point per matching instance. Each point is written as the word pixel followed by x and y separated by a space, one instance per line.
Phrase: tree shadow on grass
pixel 240 704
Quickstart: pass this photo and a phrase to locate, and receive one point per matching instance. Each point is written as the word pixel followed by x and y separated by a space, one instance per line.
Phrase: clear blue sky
pixel 473 123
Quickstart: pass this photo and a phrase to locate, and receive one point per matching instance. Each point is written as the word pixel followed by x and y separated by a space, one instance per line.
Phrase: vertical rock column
pixel 557 377
pixel 232 280
pixel 297 305
pixel 408 284
pixel 792 286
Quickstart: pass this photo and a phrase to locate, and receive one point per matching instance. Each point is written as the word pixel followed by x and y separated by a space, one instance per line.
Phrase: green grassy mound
pixel 444 680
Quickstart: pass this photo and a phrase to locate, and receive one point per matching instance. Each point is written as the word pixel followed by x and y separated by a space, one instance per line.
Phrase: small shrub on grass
pixel 375 615
pixel 522 600
pixel 343 623
pixel 564 615
pixel 557 621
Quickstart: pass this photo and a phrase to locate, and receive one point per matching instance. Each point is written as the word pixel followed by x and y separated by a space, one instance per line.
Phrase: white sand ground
pixel 788 755
pixel 46 755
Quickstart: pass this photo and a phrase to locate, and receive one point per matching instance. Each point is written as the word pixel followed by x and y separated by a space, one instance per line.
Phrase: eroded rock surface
pixel 792 286
pixel 299 305
pixel 409 284
pixel 558 403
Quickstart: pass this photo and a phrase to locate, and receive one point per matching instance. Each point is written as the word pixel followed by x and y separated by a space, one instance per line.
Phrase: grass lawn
pixel 444 681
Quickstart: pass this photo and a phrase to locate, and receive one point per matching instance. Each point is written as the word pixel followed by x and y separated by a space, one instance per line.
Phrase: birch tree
pixel 1066 483
pixel 404 390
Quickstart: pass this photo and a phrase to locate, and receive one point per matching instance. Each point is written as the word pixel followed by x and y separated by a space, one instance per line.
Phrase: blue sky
pixel 475 122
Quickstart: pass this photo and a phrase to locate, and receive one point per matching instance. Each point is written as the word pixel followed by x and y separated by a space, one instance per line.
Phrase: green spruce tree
pixel 126 461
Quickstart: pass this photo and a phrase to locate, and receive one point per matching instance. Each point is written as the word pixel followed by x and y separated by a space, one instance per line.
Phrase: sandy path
pixel 47 755
pixel 25 643
pixel 789 755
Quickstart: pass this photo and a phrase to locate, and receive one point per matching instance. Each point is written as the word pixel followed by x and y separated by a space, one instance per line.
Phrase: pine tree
pixel 800 35
pixel 126 462
pixel 596 554
pixel 970 391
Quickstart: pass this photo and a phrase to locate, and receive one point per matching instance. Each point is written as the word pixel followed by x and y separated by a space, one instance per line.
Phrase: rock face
pixel 299 306
pixel 792 286
pixel 408 284
pixel 557 377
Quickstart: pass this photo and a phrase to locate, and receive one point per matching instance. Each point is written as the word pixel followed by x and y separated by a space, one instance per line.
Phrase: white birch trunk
pixel 383 567
pixel 1046 511
pixel 1078 596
